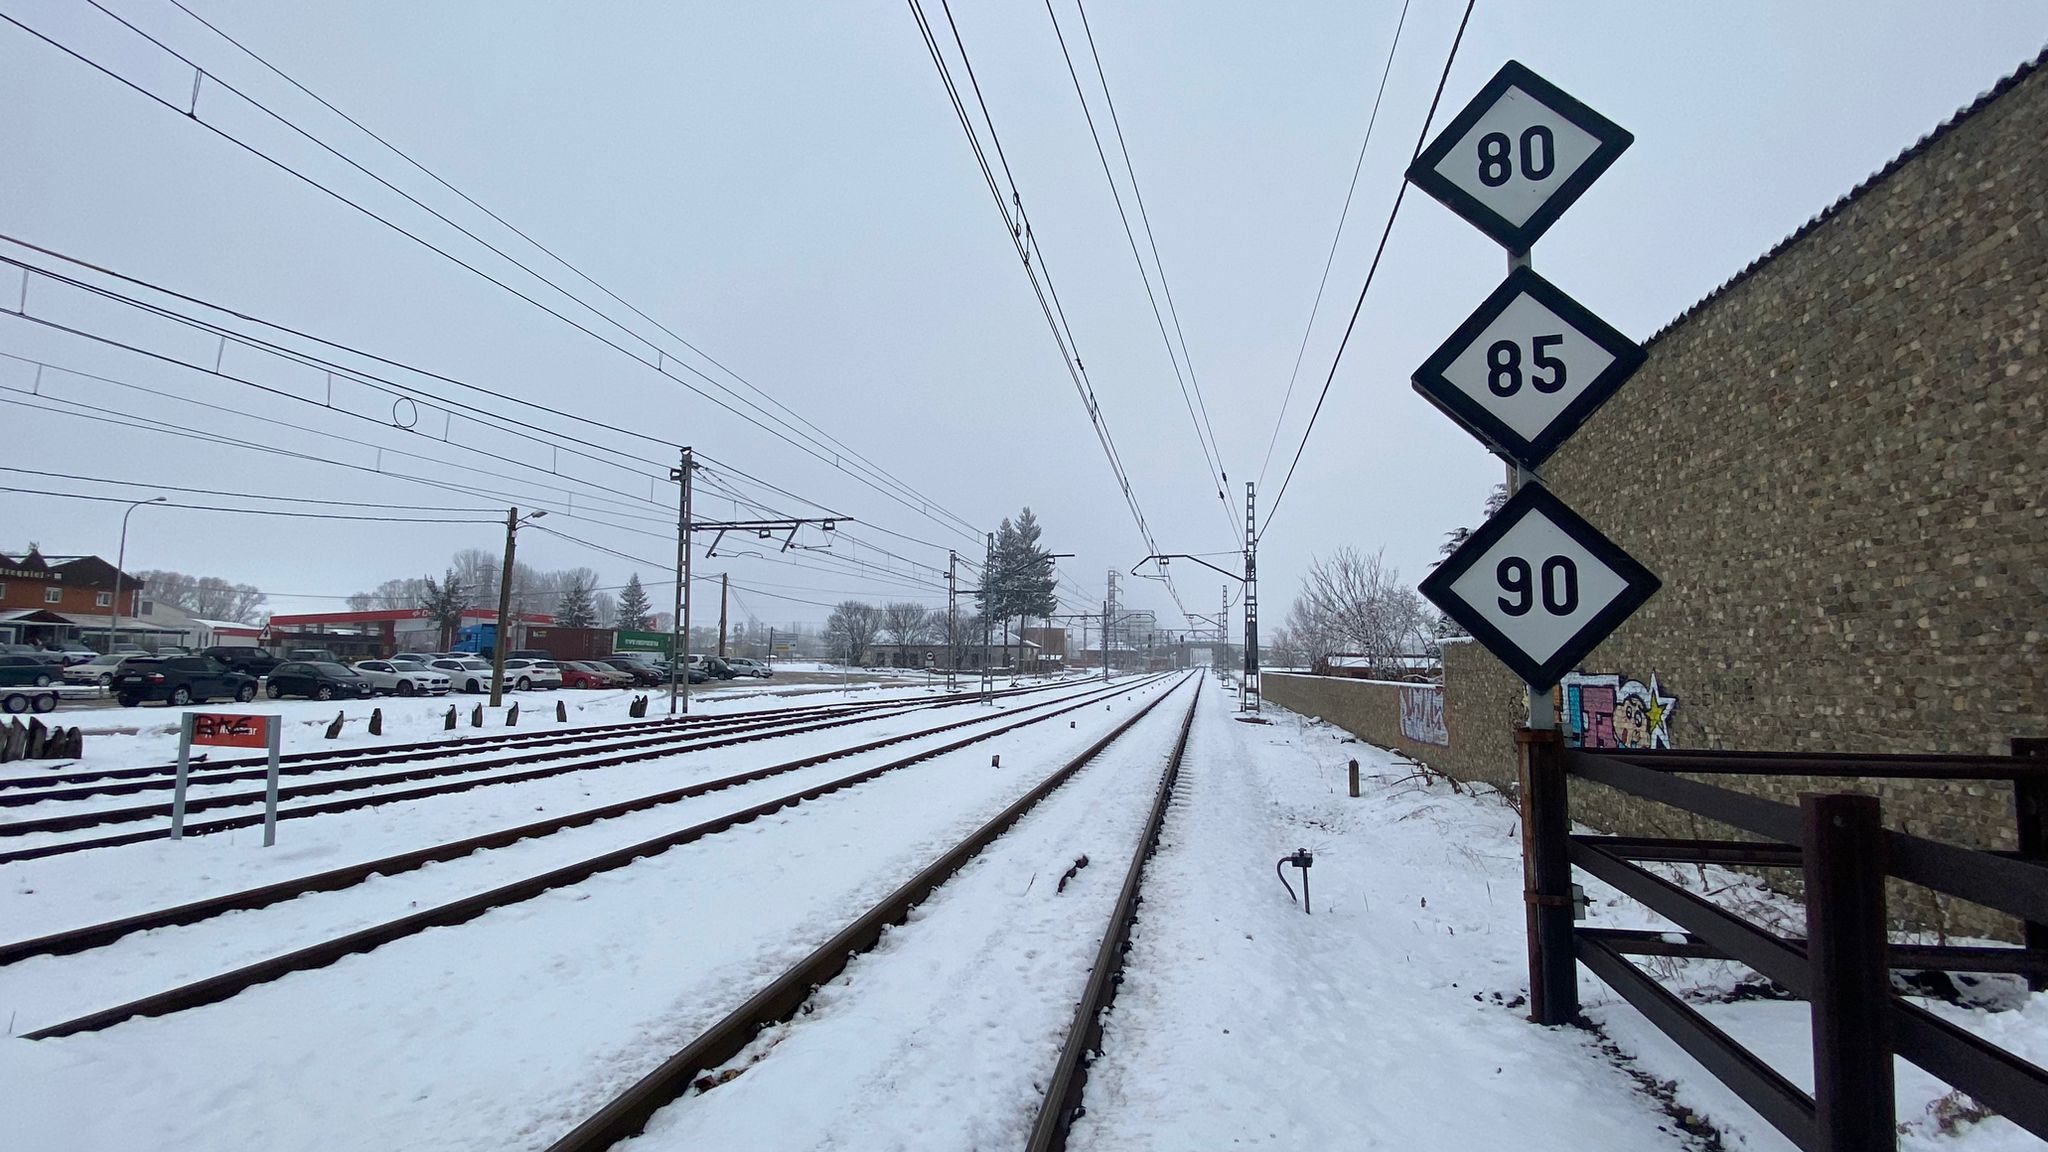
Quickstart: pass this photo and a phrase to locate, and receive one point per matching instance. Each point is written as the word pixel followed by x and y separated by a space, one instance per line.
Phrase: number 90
pixel 1560 592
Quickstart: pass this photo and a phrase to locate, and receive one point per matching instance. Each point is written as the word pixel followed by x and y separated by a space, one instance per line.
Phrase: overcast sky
pixel 785 186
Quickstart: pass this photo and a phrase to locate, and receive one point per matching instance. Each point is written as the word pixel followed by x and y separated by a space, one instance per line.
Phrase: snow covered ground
pixel 1390 1018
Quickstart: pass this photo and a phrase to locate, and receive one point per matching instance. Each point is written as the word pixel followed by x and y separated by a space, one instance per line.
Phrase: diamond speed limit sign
pixel 1526 369
pixel 1538 586
pixel 1518 155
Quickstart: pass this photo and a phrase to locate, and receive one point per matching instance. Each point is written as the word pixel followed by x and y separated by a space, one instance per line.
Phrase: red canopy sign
pixel 231 731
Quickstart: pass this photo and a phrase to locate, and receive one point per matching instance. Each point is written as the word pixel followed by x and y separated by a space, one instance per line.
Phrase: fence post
pixel 1843 844
pixel 1547 877
pixel 2030 807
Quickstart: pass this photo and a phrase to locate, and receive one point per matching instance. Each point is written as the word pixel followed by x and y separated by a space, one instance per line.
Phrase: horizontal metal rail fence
pixel 1842 967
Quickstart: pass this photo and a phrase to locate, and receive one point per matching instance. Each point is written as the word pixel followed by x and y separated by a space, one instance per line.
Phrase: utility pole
pixel 724 585
pixel 679 621
pixel 1108 616
pixel 1249 698
pixel 989 586
pixel 503 639
pixel 952 619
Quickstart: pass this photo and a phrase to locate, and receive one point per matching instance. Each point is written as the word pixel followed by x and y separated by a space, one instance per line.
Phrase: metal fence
pixel 1842 967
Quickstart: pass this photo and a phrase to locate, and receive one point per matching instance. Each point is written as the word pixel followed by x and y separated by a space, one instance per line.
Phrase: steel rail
pixel 214 989
pixel 653 748
pixel 75 940
pixel 429 749
pixel 627 1114
pixel 1062 1103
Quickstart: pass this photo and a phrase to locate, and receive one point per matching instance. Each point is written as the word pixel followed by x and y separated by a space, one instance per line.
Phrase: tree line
pixel 1018 582
pixel 206 597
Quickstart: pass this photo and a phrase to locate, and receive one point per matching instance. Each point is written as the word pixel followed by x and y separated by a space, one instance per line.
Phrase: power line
pixel 812 449
pixel 252 495
pixel 1212 453
pixel 257 511
pixel 1374 268
pixel 1342 214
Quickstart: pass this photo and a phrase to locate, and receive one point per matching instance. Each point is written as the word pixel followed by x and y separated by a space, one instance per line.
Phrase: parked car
pixel 318 680
pixel 168 650
pixel 616 677
pixel 713 667
pixel 576 674
pixel 252 661
pixel 71 652
pixel 403 677
pixel 529 654
pixel 40 655
pixel 27 672
pixel 642 672
pixel 525 674
pixel 99 670
pixel 465 673
pixel 313 655
pixel 180 680
pixel 748 667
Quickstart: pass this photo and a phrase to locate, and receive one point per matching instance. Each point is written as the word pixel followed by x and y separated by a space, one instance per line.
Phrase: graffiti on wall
pixel 1612 711
pixel 1422 714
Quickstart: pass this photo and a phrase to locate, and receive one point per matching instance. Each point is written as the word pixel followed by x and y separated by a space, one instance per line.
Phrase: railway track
pixel 525 764
pixel 696 1067
pixel 22 790
pixel 224 985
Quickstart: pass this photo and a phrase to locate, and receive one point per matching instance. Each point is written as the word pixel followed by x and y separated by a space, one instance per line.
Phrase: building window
pixel 102 599
pixel 3 591
pixel 53 595
pixel 146 608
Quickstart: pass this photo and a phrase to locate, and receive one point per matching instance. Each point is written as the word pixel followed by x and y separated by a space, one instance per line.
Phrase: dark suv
pixel 181 680
pixel 253 661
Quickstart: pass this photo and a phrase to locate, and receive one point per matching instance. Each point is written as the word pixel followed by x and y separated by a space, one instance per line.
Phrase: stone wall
pixel 1837 465
pixel 1368 709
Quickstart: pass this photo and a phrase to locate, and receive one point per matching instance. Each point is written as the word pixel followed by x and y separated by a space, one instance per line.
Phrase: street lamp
pixel 121 562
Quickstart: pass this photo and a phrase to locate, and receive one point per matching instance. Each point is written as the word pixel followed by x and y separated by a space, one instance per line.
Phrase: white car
pixel 465 673
pixel 403 677
pixel 526 674
pixel 99 670
pixel 748 667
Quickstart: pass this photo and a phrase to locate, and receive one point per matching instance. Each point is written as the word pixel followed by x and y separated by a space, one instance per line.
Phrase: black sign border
pixel 1613 141
pixel 1639 585
pixel 1473 415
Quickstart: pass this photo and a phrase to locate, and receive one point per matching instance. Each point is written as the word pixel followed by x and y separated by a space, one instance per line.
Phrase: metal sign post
pixel 178 789
pixel 1536 584
pixel 275 732
pixel 221 730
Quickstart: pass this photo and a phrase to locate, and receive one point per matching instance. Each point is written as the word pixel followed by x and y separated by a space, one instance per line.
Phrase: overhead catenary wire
pixel 284 512
pixel 813 448
pixel 1393 213
pixel 1212 453
pixel 159 486
pixel 550 253
pixel 1025 244
pixel 1343 214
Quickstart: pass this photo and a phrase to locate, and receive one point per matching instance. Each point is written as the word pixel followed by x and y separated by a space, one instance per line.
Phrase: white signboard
pixel 1526 369
pixel 1538 586
pixel 1518 155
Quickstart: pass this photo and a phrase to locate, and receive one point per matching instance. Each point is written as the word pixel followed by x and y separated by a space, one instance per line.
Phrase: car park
pixel 526 674
pixel 465 673
pixel 318 680
pixel 750 667
pixel 28 671
pixel 613 677
pixel 99 670
pixel 180 680
pixel 403 677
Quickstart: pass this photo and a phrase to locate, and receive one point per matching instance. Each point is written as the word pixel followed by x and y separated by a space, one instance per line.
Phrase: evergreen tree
pixel 633 606
pixel 445 601
pixel 575 610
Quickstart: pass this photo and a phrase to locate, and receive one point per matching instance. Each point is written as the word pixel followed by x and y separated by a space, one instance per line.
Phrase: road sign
pixel 1526 369
pixel 1518 155
pixel 1538 586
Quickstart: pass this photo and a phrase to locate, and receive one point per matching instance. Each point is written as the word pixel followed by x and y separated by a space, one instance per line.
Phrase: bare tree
pixel 906 623
pixel 851 629
pixel 1353 602
pixel 207 597
pixel 391 595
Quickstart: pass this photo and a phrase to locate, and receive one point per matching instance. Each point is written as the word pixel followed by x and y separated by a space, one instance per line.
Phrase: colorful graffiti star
pixel 1611 711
